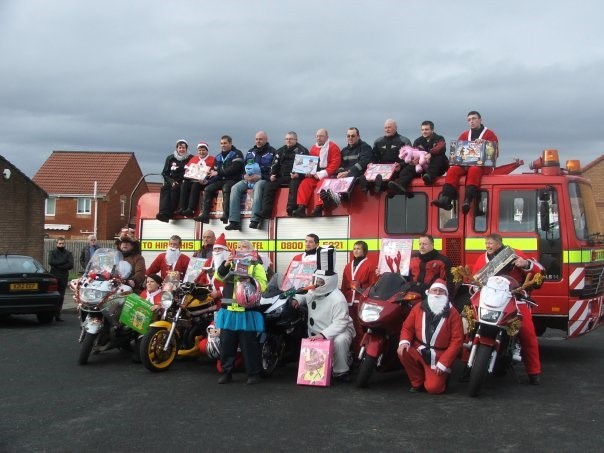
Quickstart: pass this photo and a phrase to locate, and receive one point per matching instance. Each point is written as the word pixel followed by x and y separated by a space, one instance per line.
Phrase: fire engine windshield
pixel 584 211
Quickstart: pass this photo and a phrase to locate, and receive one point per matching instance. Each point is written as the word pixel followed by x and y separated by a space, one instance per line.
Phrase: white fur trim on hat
pixel 440 284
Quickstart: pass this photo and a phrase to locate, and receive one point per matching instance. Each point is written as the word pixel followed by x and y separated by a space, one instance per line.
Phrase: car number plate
pixel 23 286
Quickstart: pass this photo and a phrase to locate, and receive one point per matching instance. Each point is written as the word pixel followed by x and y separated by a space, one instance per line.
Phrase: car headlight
pixel 91 295
pixel 166 300
pixel 370 312
pixel 489 315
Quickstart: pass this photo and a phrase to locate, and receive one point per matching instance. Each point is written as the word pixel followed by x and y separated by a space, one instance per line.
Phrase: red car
pixel 27 288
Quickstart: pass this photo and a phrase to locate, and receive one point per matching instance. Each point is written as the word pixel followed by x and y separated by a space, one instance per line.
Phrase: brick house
pixel 22 208
pixel 69 179
pixel 594 171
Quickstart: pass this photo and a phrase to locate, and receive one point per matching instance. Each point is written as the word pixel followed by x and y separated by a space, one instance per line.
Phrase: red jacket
pixel 440 348
pixel 156 299
pixel 334 157
pixel 363 274
pixel 160 266
pixel 486 134
pixel 425 269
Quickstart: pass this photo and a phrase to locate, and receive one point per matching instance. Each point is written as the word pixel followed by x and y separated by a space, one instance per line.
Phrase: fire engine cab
pixel 549 213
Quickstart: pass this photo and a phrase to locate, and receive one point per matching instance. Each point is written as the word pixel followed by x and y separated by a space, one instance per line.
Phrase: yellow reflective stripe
pixel 582 256
pixel 372 244
pixel 149 245
pixel 524 244
pixel 261 246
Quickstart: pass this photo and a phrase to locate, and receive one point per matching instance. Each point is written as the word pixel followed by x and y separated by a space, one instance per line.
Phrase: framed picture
pixel 198 172
pixel 314 367
pixel 305 164
pixel 342 185
pixel 466 153
pixel 373 170
pixel 395 256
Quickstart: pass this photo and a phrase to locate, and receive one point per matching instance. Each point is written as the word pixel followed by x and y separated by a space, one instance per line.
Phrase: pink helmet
pixel 247 292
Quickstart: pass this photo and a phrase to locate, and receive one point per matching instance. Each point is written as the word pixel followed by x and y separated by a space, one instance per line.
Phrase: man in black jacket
pixel 227 171
pixel 60 261
pixel 173 174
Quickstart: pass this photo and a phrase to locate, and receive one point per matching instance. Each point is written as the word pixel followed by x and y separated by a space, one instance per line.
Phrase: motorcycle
pixel 285 326
pixel 493 322
pixel 383 308
pixel 99 296
pixel 187 309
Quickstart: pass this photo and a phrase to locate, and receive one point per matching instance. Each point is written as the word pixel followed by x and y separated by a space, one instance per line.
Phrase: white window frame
pixel 48 206
pixel 123 206
pixel 86 208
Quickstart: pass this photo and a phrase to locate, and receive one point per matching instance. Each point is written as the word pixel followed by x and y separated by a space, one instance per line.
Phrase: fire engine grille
pixel 594 283
pixel 452 249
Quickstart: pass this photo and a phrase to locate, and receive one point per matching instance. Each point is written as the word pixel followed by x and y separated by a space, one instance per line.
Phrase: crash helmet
pixel 247 292
pixel 213 343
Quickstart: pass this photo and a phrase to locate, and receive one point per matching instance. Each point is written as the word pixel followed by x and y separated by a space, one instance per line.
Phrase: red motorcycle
pixel 383 308
pixel 493 321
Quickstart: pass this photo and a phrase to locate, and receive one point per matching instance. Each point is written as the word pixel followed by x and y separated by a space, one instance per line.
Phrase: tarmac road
pixel 49 403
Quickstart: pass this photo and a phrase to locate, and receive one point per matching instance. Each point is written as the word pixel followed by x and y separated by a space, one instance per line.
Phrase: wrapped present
pixel 198 172
pixel 305 164
pixel 136 313
pixel 481 153
pixel 337 185
pixel 373 170
pixel 314 367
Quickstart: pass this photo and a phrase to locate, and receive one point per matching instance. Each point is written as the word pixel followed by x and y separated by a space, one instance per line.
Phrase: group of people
pixel 263 170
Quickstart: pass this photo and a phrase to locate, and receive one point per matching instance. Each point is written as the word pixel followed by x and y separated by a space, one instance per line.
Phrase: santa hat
pixel 326 260
pixel 221 242
pixel 203 145
pixel 440 283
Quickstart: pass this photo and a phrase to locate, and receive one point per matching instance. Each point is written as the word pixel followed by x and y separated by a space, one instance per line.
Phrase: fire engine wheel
pixel 366 368
pixel 86 348
pixel 152 351
pixel 478 373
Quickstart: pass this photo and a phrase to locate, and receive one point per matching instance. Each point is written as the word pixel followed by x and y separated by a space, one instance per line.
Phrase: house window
pixel 123 206
pixel 50 206
pixel 84 205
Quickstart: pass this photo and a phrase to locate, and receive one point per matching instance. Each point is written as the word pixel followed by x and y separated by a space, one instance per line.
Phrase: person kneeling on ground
pixel 431 339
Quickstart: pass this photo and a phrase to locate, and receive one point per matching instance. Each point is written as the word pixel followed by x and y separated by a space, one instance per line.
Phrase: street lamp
pixel 132 195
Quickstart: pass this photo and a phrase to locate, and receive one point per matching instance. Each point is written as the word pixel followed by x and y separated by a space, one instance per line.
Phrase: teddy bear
pixel 410 154
pixel 250 170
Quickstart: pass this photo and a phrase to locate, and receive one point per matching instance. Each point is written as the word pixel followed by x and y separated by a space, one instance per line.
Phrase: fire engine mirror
pixel 544 210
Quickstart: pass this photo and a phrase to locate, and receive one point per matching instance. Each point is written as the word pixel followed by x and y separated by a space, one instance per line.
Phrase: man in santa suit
pixel 518 270
pixel 477 133
pixel 359 274
pixel 328 316
pixel 170 260
pixel 431 339
pixel 330 157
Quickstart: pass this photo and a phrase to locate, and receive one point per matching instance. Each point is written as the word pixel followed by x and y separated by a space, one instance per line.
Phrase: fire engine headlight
pixel 166 300
pixel 91 295
pixel 370 312
pixel 489 315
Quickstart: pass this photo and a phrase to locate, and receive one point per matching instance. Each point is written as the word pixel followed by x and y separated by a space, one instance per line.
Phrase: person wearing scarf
pixel 427 265
pixel 173 174
pixel 431 339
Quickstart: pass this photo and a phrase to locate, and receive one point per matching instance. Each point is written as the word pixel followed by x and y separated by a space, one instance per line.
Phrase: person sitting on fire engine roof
pixel 173 174
pixel 258 161
pixel 329 161
pixel 355 157
pixel 190 188
pixel 227 171
pixel 386 151
pixel 438 165
pixel 477 133
pixel 280 176
pixel 208 238
pixel 170 260
pixel 518 270
pixel 431 339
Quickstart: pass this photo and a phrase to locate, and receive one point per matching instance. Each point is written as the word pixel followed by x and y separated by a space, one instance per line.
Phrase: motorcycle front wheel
pixel 270 355
pixel 152 351
pixel 366 368
pixel 479 370
pixel 86 347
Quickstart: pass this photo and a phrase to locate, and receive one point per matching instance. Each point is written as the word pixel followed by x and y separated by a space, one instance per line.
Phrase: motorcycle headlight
pixel 489 315
pixel 91 295
pixel 166 300
pixel 370 312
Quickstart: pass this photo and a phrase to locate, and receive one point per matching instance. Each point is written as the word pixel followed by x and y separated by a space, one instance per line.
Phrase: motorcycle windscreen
pixel 388 284
pixel 496 293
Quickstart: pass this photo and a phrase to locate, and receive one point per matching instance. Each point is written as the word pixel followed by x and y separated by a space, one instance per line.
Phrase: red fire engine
pixel 549 213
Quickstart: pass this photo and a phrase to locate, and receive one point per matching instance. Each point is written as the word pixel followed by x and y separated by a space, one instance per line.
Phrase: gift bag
pixel 314 367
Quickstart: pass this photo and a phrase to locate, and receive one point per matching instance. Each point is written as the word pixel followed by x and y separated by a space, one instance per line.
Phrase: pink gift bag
pixel 314 367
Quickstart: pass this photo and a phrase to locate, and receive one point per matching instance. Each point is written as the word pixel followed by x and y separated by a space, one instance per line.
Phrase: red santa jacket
pixel 160 266
pixel 328 165
pixel 363 275
pixel 486 134
pixel 511 270
pixel 155 298
pixel 438 342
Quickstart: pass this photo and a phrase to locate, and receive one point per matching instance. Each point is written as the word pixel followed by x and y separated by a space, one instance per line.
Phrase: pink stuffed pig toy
pixel 410 155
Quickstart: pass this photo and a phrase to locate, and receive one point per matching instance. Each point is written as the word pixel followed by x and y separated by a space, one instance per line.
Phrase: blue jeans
pixel 237 192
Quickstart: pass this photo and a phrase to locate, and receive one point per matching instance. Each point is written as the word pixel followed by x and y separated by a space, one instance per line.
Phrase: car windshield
pixel 11 264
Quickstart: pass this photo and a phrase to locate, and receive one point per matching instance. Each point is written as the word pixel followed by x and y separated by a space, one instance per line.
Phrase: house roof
pixel 5 163
pixel 594 162
pixel 74 172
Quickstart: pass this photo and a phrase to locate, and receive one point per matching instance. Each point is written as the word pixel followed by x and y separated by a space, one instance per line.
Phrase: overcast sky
pixel 120 75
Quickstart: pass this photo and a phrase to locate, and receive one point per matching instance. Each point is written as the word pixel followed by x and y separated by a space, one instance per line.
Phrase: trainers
pixel 396 188
pixel 225 378
pixel 233 226
pixel 252 380
pixel 202 219
pixel 318 211
pixel 427 179
pixel 334 198
pixel 324 196
pixel 378 184
pixel 534 379
pixel 254 224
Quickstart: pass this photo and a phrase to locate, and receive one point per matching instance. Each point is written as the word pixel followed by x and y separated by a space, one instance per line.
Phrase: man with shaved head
pixel 329 161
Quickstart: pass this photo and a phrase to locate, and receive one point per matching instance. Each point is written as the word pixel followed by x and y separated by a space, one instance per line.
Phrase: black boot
pixel 470 195
pixel 446 197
